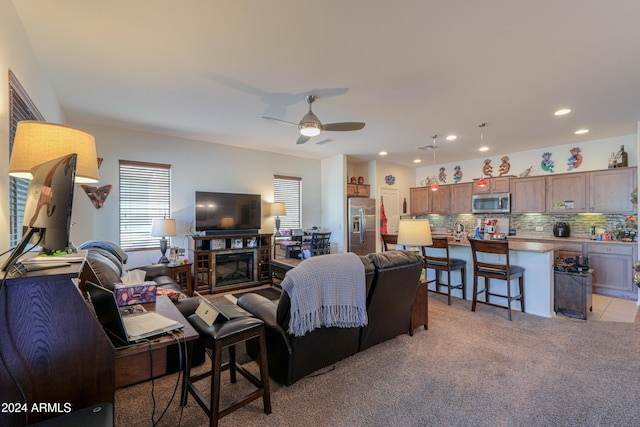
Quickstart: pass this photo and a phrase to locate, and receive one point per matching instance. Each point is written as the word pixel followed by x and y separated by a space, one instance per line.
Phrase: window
pixel 288 189
pixel 20 108
pixel 145 194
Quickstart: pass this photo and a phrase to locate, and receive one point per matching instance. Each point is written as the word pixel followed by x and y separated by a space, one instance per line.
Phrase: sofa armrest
pixel 261 307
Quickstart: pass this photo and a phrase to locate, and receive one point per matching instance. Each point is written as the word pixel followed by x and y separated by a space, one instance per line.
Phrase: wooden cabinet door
pixel 499 184
pixel 352 190
pixel 612 272
pixel 567 193
pixel 419 200
pixel 461 198
pixel 440 200
pixel 528 195
pixel 363 190
pixel 610 190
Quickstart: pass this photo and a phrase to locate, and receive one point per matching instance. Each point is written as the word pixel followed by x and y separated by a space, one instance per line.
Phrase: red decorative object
pixel 434 186
pixel 482 182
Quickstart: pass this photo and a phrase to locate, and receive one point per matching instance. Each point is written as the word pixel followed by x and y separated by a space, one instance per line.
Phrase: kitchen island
pixel 537 260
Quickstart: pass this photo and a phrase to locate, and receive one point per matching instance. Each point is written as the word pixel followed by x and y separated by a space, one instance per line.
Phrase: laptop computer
pixel 130 329
pixel 227 311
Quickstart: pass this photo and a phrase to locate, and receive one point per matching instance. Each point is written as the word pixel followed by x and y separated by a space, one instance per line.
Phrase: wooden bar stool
pixel 227 334
pixel 495 270
pixel 436 257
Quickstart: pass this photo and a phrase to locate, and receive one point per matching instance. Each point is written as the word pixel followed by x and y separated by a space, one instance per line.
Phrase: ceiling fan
pixel 310 125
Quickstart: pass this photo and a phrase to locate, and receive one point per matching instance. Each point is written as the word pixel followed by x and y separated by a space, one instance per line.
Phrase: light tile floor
pixel 609 309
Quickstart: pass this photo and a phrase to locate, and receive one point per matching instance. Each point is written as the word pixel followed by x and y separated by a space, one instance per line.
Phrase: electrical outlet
pixel 539 229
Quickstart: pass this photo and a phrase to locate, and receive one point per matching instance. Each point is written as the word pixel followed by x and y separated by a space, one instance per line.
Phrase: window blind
pixel 21 107
pixel 288 190
pixel 145 194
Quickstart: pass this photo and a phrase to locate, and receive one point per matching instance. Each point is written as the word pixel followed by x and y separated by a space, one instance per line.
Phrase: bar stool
pixel 495 270
pixel 227 334
pixel 389 242
pixel 446 264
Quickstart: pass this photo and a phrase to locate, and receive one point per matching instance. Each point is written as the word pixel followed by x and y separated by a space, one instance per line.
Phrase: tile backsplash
pixel 580 224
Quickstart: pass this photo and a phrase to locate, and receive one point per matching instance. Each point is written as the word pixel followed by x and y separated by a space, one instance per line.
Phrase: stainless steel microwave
pixel 491 203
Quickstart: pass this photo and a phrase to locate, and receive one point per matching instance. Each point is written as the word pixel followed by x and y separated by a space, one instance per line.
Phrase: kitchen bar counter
pixel 571 239
pixel 536 258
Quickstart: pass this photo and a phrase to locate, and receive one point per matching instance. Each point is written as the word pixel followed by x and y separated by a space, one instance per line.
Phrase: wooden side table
pixel 420 315
pixel 181 274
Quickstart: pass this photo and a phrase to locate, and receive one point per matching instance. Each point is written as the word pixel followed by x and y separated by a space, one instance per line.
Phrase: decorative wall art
pixel 487 169
pixel 457 175
pixel 547 164
pixel 527 171
pixel 442 176
pixel 390 179
pixel 97 195
pixel 504 166
pixel 575 160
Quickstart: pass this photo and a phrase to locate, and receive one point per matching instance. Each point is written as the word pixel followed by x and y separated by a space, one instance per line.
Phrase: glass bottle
pixel 621 158
pixel 612 161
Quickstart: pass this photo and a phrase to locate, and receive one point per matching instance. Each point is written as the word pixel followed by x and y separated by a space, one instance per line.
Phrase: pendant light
pixel 481 182
pixel 434 184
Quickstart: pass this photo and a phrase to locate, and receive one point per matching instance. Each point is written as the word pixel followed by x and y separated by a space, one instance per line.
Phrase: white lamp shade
pixel 38 142
pixel 278 209
pixel 163 227
pixel 414 232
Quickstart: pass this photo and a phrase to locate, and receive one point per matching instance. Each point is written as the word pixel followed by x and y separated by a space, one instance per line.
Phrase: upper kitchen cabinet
pixel 358 190
pixel 440 200
pixel 567 193
pixel 460 198
pixel 419 200
pixel 499 184
pixel 528 195
pixel 610 190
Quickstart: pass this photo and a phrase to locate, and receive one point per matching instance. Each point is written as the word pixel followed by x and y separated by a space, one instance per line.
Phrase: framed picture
pixel 251 243
pixel 237 244
pixel 218 244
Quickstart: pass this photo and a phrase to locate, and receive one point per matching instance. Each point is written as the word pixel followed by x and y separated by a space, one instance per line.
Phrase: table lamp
pixel 38 142
pixel 278 209
pixel 163 228
pixel 414 233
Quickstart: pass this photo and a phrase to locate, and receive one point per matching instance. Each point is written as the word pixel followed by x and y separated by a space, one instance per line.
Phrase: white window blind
pixel 20 108
pixel 288 190
pixel 145 194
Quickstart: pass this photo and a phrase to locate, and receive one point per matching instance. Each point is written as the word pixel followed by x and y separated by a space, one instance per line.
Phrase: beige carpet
pixel 468 369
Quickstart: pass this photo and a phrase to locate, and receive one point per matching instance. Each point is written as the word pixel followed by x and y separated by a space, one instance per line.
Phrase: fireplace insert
pixel 236 267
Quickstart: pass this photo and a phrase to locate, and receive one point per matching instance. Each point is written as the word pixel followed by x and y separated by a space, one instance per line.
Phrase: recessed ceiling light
pixel 417 161
pixel 562 112
pixel 581 131
pixel 382 153
pixel 452 138
pixel 483 149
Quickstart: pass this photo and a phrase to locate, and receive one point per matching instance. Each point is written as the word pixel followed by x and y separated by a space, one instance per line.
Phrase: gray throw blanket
pixel 326 290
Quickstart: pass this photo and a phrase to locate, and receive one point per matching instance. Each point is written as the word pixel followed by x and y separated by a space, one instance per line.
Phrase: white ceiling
pixel 208 70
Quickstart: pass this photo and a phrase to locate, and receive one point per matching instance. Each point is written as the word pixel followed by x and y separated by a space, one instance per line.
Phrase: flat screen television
pixel 47 212
pixel 217 213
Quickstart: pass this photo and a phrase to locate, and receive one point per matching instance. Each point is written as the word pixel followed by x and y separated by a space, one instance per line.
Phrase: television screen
pixel 47 211
pixel 218 212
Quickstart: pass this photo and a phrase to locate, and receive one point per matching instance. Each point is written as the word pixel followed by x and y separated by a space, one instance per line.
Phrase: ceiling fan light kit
pixel 311 126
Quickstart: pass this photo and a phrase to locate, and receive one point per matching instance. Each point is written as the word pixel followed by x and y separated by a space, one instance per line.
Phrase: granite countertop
pixel 521 246
pixel 576 239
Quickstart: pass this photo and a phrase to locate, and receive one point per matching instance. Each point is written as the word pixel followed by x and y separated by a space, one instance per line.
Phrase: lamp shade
pixel 414 232
pixel 163 227
pixel 38 142
pixel 278 209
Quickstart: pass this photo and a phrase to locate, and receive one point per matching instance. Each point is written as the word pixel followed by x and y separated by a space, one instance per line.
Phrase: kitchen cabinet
pixel 499 184
pixel 612 272
pixel 528 195
pixel 419 200
pixel 610 190
pixel 440 200
pixel 460 198
pixel 567 193
pixel 358 190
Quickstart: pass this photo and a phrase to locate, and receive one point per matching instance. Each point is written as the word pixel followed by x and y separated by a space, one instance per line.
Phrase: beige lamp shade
pixel 414 232
pixel 278 209
pixel 163 227
pixel 38 142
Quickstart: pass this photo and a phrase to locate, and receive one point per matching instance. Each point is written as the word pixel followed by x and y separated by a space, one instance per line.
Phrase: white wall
pixel 16 54
pixel 195 166
pixel 595 155
pixel 334 196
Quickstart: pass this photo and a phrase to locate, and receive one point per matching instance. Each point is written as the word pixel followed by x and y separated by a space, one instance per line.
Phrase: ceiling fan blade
pixel 324 141
pixel 344 126
pixel 303 139
pixel 280 121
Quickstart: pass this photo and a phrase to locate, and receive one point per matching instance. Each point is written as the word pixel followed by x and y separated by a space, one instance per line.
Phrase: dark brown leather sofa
pixel 391 283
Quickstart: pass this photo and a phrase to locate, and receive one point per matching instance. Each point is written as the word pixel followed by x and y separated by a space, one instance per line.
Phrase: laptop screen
pixel 106 307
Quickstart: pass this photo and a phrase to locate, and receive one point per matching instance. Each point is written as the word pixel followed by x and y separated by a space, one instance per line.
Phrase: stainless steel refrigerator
pixel 362 225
